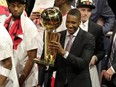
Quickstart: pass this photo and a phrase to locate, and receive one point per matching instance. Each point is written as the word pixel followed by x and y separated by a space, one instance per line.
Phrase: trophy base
pixel 52 65
pixel 43 62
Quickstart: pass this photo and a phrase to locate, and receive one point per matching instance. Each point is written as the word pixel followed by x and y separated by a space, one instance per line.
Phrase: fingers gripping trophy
pixel 50 19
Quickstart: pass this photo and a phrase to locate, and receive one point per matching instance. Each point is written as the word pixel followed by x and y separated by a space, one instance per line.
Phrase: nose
pixel 15 8
pixel 85 12
pixel 69 25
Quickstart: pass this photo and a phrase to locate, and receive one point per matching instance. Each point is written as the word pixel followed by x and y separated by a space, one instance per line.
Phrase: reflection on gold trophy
pixel 50 19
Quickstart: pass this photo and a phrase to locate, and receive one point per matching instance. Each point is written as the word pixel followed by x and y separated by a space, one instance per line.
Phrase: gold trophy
pixel 50 19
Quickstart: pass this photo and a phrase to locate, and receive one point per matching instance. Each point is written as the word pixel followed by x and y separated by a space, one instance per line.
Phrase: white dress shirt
pixel 84 26
pixel 67 39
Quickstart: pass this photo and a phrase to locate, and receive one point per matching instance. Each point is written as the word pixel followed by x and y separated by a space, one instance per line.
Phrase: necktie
pixel 113 50
pixel 69 44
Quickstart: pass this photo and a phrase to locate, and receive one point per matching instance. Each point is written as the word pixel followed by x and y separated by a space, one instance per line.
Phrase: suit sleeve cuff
pixel 112 69
pixel 96 58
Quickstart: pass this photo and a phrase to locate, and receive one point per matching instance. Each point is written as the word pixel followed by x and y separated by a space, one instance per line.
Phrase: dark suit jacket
pixel 111 83
pixel 97 31
pixel 76 67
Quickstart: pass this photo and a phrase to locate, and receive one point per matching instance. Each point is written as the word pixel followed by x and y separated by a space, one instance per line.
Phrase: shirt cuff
pixel 4 71
pixel 96 58
pixel 112 69
pixel 66 55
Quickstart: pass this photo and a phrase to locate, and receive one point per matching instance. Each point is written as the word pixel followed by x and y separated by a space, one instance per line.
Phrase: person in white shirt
pixel 4 11
pixel 7 69
pixel 25 43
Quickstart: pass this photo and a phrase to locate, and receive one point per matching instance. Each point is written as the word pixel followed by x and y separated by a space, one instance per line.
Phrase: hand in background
pixel 34 15
pixel 105 74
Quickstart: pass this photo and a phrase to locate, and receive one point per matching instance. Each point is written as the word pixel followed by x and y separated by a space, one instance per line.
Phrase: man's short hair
pixel 75 12
pixel 20 1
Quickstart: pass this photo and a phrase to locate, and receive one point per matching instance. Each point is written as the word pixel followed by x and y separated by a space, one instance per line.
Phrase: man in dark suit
pixel 109 75
pixel 103 14
pixel 73 66
pixel 96 30
pixel 86 7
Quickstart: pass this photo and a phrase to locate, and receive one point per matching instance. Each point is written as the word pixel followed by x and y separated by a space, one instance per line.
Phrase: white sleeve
pixel 66 55
pixel 30 34
pixel 5 51
pixel 4 71
pixel 5 48
pixel 113 69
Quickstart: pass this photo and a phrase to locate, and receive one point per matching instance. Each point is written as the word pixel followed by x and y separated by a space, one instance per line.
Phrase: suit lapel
pixel 110 49
pixel 62 39
pixel 113 37
pixel 77 40
pixel 112 43
pixel 90 27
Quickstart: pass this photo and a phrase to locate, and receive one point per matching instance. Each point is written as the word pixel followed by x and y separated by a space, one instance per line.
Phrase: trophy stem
pixel 50 19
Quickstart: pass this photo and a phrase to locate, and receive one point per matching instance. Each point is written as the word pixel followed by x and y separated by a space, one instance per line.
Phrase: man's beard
pixel 16 17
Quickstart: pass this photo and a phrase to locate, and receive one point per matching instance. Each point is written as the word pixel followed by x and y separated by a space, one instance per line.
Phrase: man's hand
pixel 34 15
pixel 110 71
pixel 107 74
pixel 56 46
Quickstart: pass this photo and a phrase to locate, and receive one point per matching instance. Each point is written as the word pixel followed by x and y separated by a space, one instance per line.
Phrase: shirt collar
pixel 84 26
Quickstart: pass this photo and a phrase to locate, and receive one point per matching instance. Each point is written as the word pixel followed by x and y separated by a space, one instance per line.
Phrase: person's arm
pixel 99 49
pixel 108 16
pixel 5 70
pixel 28 66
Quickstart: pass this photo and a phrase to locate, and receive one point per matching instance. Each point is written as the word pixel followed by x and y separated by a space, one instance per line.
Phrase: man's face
pixel 16 9
pixel 85 13
pixel 72 23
